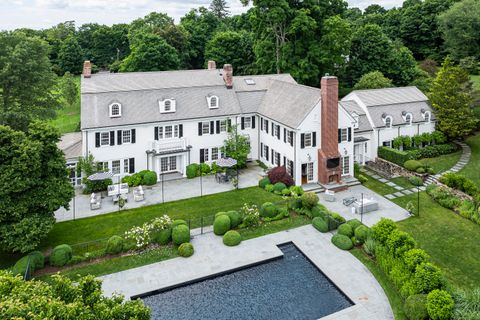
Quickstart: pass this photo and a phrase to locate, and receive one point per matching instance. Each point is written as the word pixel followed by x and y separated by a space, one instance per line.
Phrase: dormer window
pixel 388 121
pixel 212 102
pixel 115 110
pixel 167 105
pixel 408 119
pixel 427 116
pixel 356 118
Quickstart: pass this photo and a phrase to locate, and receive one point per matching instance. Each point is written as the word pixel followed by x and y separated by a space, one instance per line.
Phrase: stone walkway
pixel 462 162
pixel 213 257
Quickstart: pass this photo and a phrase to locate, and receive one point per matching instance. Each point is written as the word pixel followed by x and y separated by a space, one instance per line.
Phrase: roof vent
pixel 404 113
pixel 250 81
pixel 423 110
pixel 384 115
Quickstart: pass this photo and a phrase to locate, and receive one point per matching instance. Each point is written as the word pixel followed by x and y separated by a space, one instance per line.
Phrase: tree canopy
pixel 34 182
pixel 373 80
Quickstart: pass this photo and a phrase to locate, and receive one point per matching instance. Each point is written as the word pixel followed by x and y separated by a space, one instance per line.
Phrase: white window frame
pixel 276 130
pixel 163 106
pixel 206 157
pixel 126 165
pixel 343 134
pixel 215 153
pixel 427 116
pixel 223 126
pixel 387 143
pixel 390 122
pixel 289 137
pixel 206 125
pixel 408 116
pixel 173 128
pixel 288 166
pixel 265 151
pixel 247 122
pixel 310 171
pixel 308 137
pixel 127 136
pixel 115 110
pixel 346 165
pixel 102 165
pixel 168 133
pixel 212 99
pixel 104 136
pixel 116 167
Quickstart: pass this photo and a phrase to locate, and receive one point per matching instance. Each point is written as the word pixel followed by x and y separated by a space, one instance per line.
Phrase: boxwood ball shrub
pixel 263 182
pixel 185 250
pixel 309 200
pixel 354 223
pixel 440 305
pixel 320 224
pixel 178 222
pixel 61 255
pixel 221 224
pixel 162 236
pixel 269 188
pixel 412 165
pixel 114 245
pixel 193 170
pixel 149 178
pixel 361 233
pixel 416 307
pixel 342 242
pixel 382 229
pixel 232 238
pixel 416 181
pixel 346 230
pixel 180 234
pixel 421 170
pixel 235 218
pixel 278 187
pixel 268 210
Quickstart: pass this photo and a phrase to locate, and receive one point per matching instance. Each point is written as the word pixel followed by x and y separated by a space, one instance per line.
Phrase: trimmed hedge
pixel 342 242
pixel 162 236
pixel 361 233
pixel 232 238
pixel 180 234
pixel 416 307
pixel 268 210
pixel 394 155
pixel 149 178
pixel 440 305
pixel 382 229
pixel 221 224
pixel 263 182
pixel 185 250
pixel 235 218
pixel 114 245
pixel 320 224
pixel 412 165
pixel 61 255
pixel 346 230
pixel 354 223
pixel 193 170
pixel 459 182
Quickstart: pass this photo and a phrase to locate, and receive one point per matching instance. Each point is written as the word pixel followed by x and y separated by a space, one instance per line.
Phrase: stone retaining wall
pixel 391 170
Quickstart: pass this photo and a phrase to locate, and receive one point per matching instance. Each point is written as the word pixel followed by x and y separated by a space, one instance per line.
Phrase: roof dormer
pixel 115 110
pixel 168 105
pixel 387 120
pixel 213 101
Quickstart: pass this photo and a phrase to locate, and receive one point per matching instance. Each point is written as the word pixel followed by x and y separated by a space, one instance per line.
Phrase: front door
pixel 304 173
pixel 307 172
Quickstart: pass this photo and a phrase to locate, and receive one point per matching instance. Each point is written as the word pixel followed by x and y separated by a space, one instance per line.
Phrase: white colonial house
pixel 164 121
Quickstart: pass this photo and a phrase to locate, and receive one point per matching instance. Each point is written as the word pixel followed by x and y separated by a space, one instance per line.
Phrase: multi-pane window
pixel 408 119
pixel 346 165
pixel 223 125
pixel 205 127
pixel 343 134
pixel 290 167
pixel 168 105
pixel 427 116
pixel 115 110
pixel 168 132
pixel 247 122
pixel 387 144
pixel 265 151
pixel 102 166
pixel 310 171
pixel 126 167
pixel 126 136
pixel 277 158
pixel 214 154
pixel 308 139
pixel 205 155
pixel 276 130
pixel 289 137
pixel 213 102
pixel 388 122
pixel 116 166
pixel 105 138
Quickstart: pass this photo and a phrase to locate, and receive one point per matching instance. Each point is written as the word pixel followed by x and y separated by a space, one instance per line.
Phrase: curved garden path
pixel 462 162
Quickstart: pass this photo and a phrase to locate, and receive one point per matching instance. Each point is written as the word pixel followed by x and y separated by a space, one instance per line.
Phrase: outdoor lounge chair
pixel 349 201
pixel 138 194
pixel 329 195
pixel 95 201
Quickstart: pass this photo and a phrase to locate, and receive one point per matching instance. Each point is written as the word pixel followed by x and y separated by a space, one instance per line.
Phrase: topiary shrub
pixel 269 188
pixel 440 305
pixel 354 223
pixel 412 165
pixel 61 255
pixel 185 250
pixel 342 242
pixel 280 174
pixel 296 190
pixel 37 259
pixel 162 236
pixel 220 213
pixel 180 234
pixel 235 218
pixel 193 170
pixel 221 224
pixel 415 257
pixel 268 210
pixel 346 230
pixel 427 277
pixel 382 229
pixel 361 233
pixel 205 168
pixel 320 224
pixel 416 307
pixel 278 187
pixel 232 238
pixel 114 245
pixel 416 181
pixel 263 182
pixel 179 222
pixel 149 178
pixel 421 170
pixel 309 200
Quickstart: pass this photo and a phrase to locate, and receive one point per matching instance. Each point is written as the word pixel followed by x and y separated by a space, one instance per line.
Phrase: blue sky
pixel 39 14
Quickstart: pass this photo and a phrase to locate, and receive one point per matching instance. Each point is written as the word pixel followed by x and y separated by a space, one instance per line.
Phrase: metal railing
pixel 168 145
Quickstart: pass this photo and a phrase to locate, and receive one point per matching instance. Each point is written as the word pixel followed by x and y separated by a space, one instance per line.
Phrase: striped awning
pixel 100 176
pixel 226 162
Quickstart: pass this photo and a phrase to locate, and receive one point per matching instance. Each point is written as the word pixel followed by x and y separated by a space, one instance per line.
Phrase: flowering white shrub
pixel 142 235
pixel 251 215
pixel 162 223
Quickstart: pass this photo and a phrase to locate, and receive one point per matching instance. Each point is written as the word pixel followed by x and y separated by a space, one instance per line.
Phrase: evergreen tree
pixel 220 8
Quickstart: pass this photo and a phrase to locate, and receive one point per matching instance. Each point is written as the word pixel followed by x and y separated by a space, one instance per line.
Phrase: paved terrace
pixel 212 257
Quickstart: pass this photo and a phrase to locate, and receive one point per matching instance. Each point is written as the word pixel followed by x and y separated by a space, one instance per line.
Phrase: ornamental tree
pixel 236 146
pixel 373 80
pixel 62 299
pixel 35 183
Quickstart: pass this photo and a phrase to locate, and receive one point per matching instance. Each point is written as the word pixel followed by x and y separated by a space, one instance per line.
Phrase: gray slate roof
pixel 71 145
pixel 262 82
pixel 388 96
pixel 363 123
pixel 395 111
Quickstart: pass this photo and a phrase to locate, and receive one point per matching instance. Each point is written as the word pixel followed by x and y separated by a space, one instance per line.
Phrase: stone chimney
pixel 228 75
pixel 329 164
pixel 212 65
pixel 87 69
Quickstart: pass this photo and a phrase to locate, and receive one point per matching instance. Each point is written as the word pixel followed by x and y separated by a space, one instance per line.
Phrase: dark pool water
pixel 287 288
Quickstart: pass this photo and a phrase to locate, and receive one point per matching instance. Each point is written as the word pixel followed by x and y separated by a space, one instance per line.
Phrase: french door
pixel 168 164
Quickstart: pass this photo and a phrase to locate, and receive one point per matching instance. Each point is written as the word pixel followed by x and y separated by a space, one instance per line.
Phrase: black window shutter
pixel 253 122
pixel 302 141
pixel 273 129
pixel 273 156
pixel 261 124
pixel 134 138
pixel 112 138
pixel 266 153
pixel 284 161
pixel 97 139
pixel 202 155
pixel 284 135
pixel 131 165
pixel 291 138
pixel 180 130
pixel 229 124
pixel 314 139
pixel 119 137
pixel 155 133
pixel 278 132
pixel 199 128
pixel 266 126
pixel 350 134
pixel 339 135
pixel 243 123
pixel 261 149
pixel 218 126
pixel 212 127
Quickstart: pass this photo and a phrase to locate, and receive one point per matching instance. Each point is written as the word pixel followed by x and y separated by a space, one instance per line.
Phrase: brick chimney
pixel 228 75
pixel 87 69
pixel 212 65
pixel 329 166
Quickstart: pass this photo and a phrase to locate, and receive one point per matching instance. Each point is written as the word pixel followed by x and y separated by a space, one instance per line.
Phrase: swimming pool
pixel 290 287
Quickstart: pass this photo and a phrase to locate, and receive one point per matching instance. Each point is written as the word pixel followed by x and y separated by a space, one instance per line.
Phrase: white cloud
pixel 92 4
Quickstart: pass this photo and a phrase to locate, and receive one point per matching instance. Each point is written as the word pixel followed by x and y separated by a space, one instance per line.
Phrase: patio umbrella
pixel 226 162
pixel 99 176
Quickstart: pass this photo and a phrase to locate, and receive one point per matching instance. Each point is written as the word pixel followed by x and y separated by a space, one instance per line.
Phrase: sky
pixel 39 14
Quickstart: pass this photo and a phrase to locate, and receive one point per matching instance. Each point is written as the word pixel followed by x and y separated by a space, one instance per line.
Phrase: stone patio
pixel 212 257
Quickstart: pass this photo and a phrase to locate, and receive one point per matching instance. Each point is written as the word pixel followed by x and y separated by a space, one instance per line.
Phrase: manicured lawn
pixel 442 163
pixel 377 186
pixel 274 226
pixel 451 241
pixel 396 301
pixel 403 182
pixel 68 118
pixel 472 169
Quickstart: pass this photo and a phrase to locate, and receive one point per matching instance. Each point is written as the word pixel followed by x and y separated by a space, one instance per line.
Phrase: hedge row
pixel 400 157
pixel 195 170
pixel 144 177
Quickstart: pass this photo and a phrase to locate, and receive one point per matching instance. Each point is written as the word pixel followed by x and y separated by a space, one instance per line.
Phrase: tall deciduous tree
pixel 237 146
pixel 220 8
pixel 63 299
pixel 451 98
pixel 70 56
pixel 55 36
pixel 69 89
pixel 34 182
pixel 26 81
pixel 235 48
pixel 373 80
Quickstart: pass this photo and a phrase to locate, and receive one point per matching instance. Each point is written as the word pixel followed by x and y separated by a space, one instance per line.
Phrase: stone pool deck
pixel 212 257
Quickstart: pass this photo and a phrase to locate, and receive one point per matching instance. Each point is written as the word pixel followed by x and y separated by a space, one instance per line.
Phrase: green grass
pixel 396 301
pixel 68 117
pixel 443 162
pixel 402 182
pixel 274 226
pixel 377 186
pixel 476 81
pixel 472 169
pixel 450 240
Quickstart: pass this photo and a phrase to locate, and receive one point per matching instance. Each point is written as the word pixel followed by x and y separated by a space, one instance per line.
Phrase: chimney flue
pixel 212 65
pixel 228 75
pixel 87 69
